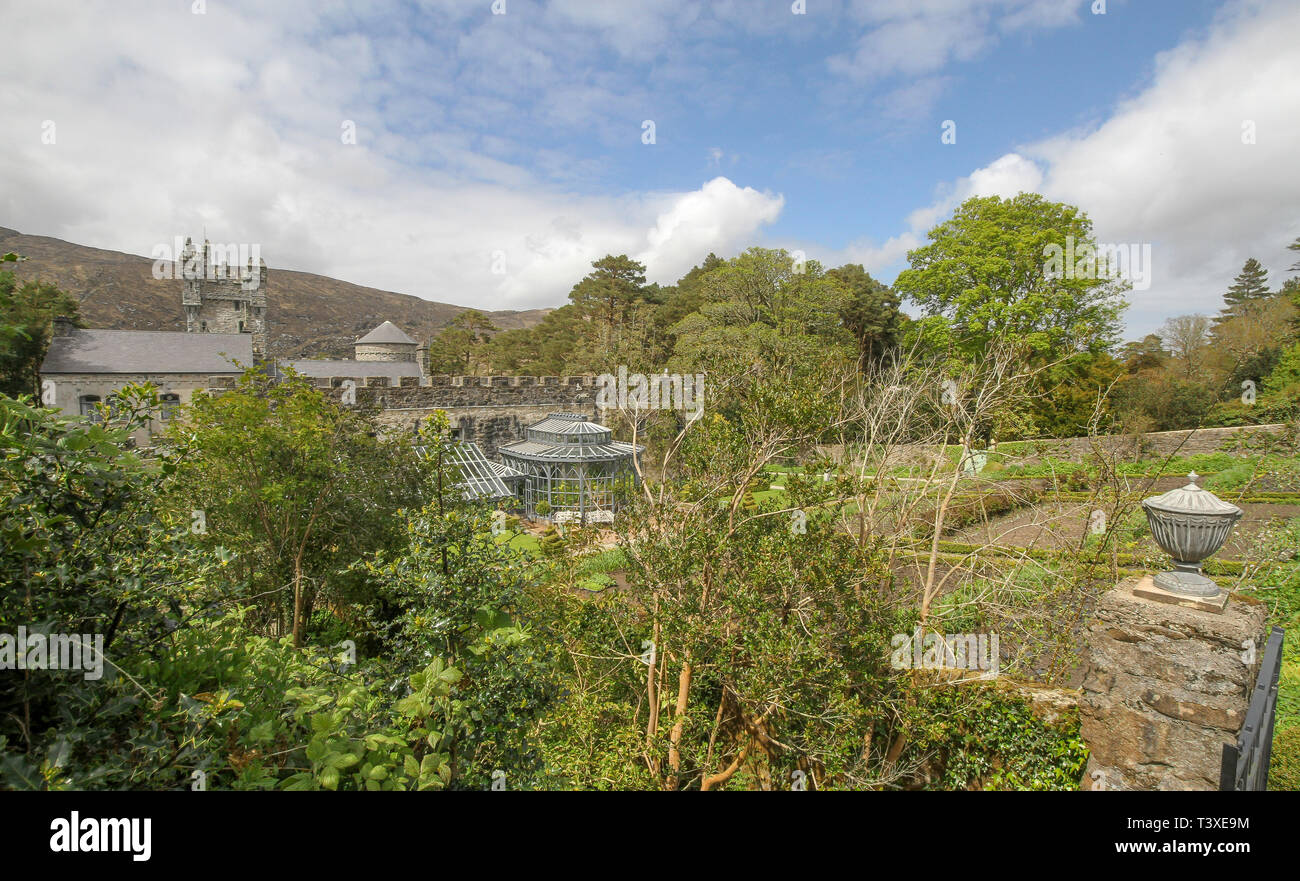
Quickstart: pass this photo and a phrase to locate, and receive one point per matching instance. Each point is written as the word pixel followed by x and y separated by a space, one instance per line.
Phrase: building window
pixel 203 326
pixel 169 404
pixel 89 406
pixel 241 327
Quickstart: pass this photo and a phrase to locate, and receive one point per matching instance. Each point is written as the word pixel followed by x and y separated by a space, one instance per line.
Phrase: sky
pixel 484 152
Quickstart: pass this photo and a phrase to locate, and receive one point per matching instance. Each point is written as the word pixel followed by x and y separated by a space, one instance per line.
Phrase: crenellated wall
pixel 489 410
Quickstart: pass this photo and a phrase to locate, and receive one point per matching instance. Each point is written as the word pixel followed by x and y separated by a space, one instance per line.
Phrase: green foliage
pixel 458 347
pixel 871 312
pixel 1284 762
pixel 984 273
pixel 194 695
pixel 297 486
pixel 1202 463
pixel 1250 284
pixel 413 750
pixel 450 590
pixel 984 738
pixel 84 552
pixel 26 312
pixel 1277 583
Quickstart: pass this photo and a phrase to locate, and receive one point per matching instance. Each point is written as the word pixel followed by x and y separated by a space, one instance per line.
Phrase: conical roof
pixel 1191 499
pixel 386 333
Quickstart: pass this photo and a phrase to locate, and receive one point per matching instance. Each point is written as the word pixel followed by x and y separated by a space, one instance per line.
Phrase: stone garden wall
pixel 1242 440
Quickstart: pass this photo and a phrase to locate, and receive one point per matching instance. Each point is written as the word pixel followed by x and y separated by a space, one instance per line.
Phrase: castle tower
pixel 223 297
pixel 386 342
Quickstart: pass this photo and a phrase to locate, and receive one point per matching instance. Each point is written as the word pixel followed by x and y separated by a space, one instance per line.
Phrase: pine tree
pixel 1294 246
pixel 1250 284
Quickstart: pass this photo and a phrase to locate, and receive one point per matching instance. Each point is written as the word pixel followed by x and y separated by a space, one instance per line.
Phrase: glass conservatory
pixel 479 476
pixel 573 469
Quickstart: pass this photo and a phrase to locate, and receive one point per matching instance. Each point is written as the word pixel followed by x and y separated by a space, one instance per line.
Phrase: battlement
pixel 489 410
pixel 450 381
pixel 225 296
pixel 473 391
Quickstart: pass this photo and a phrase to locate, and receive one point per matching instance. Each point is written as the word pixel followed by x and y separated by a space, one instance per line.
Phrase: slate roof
pixel 386 333
pixel 147 351
pixel 353 369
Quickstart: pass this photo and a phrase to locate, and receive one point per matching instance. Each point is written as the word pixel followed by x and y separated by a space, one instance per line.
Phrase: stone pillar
pixel 1166 687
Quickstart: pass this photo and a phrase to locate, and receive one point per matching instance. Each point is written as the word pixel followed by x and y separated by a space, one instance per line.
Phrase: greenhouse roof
pixel 538 451
pixel 481 478
pixel 569 423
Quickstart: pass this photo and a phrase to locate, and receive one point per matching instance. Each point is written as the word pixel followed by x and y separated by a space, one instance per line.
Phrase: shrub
pixel 1284 762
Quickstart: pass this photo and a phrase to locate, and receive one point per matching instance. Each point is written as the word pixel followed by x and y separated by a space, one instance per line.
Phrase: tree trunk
pixel 652 696
pixel 297 601
pixel 679 724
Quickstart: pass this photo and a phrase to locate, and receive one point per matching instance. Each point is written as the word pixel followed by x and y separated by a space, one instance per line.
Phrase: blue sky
pixel 515 141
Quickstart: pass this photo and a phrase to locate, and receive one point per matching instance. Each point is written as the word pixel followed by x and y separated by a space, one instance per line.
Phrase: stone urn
pixel 1190 524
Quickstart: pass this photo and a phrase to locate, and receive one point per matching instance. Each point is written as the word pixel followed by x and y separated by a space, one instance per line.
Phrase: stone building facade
pixel 222 297
pixel 82 368
pixel 387 342
pixel 225 331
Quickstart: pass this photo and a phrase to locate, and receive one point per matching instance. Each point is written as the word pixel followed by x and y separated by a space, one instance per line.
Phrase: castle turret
pixel 225 297
pixel 387 342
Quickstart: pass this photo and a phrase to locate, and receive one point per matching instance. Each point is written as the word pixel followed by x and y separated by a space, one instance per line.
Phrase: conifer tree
pixel 1250 284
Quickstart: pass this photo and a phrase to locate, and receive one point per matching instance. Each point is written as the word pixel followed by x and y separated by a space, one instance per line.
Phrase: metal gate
pixel 1245 763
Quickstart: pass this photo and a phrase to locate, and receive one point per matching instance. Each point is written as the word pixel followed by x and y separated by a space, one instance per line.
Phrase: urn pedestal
pixel 1190 524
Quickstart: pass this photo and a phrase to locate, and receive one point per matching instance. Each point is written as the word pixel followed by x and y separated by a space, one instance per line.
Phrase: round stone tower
pixel 386 342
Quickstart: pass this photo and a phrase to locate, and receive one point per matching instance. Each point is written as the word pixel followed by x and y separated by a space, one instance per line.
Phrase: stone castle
pixel 219 298
pixel 226 320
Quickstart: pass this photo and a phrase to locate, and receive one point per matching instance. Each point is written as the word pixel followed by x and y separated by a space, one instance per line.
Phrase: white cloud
pixel 169 122
pixel 1169 167
pixel 917 37
pixel 719 216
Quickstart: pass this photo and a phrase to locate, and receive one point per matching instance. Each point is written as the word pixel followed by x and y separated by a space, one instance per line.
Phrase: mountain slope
pixel 307 315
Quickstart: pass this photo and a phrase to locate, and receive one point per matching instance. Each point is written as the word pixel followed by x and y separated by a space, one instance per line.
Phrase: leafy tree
pixel 1078 391
pixel 986 272
pixel 1291 292
pixel 765 323
pixel 447 589
pixel 872 312
pixel 1248 342
pixel 457 348
pixel 1283 383
pixel 1187 338
pixel 297 485
pixel 84 554
pixel 26 312
pixel 1145 354
pixel 608 295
